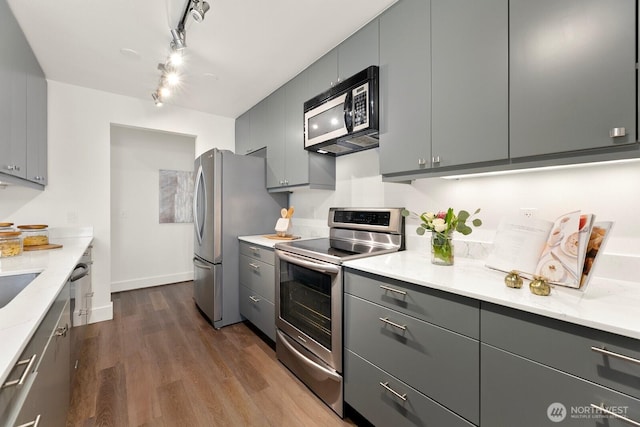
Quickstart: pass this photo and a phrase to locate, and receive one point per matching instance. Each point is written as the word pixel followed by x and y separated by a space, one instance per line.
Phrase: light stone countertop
pixel 20 318
pixel 265 241
pixel 607 304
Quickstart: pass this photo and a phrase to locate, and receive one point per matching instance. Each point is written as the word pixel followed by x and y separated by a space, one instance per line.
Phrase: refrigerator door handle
pixel 201 264
pixel 196 203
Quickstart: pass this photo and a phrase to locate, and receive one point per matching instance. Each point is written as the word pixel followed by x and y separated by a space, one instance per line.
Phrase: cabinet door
pixel 322 74
pixel 519 392
pixel 469 48
pixel 243 133
pixel 296 158
pixel 572 74
pixel 36 126
pixel 405 87
pixel 359 51
pixel 274 138
pixel 258 125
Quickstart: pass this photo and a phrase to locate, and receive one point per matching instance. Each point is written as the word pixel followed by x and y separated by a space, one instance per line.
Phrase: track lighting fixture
pixel 170 76
pixel 200 7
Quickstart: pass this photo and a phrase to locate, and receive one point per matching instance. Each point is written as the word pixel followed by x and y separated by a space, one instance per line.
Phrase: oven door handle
pixel 312 265
pixel 310 363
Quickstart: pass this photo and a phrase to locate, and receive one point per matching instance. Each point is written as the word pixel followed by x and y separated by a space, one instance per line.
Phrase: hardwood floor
pixel 159 363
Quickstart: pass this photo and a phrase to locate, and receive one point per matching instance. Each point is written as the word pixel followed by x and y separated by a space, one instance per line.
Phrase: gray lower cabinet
pixel 44 394
pixel 536 369
pixel 520 392
pixel 572 75
pixel 257 287
pixel 23 106
pixel 387 331
pixel 405 87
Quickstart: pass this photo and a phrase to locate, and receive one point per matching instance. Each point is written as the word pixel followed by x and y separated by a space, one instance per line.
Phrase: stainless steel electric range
pixel 309 293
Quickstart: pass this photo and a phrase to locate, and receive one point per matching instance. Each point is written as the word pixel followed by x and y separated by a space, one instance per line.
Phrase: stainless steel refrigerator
pixel 230 200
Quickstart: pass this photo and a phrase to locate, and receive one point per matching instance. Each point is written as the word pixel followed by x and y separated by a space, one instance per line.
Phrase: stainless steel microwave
pixel 344 119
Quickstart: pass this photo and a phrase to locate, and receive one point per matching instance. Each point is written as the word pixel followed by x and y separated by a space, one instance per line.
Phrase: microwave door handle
pixel 348 112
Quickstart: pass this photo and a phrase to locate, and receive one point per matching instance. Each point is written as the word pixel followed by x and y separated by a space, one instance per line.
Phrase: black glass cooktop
pixel 332 250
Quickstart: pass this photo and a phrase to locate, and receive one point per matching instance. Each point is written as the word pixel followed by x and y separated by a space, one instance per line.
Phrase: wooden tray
pixel 41 247
pixel 276 237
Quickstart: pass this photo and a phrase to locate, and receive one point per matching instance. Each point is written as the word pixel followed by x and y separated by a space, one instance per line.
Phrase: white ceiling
pixel 241 52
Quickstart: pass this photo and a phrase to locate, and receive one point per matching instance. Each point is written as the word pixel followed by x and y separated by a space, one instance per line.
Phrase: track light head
pixel 157 99
pixel 199 9
pixel 179 40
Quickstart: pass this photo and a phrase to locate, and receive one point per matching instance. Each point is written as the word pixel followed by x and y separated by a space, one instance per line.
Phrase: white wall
pixel 79 191
pixel 609 191
pixel 145 252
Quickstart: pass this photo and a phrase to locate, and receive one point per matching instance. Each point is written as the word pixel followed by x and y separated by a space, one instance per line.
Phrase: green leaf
pixel 405 212
pixel 420 231
pixel 464 229
pixel 477 222
pixel 477 211
pixel 463 215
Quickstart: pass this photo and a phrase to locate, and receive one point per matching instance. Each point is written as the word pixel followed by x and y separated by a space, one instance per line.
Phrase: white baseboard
pixel 99 314
pixel 147 282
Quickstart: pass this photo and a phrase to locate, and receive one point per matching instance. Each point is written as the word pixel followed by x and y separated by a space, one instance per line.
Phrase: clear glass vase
pixel 441 248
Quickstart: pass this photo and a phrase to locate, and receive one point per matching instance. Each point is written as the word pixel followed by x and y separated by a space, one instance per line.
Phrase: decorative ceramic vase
pixel 441 248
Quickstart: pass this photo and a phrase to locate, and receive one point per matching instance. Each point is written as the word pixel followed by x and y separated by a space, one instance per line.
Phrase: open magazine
pixel 564 251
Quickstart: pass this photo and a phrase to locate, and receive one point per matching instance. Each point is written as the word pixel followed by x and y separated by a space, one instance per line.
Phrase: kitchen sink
pixel 10 286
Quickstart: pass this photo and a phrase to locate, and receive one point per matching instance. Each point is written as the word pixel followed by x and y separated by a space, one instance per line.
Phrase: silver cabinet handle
pixel 29 362
pixel 614 415
pixel 62 331
pixel 254 249
pixel 395 325
pixel 254 299
pixel 254 266
pixel 33 423
pixel 422 162
pixel 13 167
pixel 435 160
pixel 617 132
pixel 606 352
pixel 395 393
pixel 397 291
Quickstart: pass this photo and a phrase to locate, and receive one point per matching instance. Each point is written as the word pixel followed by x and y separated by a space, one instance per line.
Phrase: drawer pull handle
pixel 254 249
pixel 395 325
pixel 29 362
pixel 397 291
pixel 614 415
pixel 254 266
pixel 395 393
pixel 33 423
pixel 616 355
pixel 254 299
pixel 61 332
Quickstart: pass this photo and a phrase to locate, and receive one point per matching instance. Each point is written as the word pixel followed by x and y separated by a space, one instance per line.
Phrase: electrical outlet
pixel 528 212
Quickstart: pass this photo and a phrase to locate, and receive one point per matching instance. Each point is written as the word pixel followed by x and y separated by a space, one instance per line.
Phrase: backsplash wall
pixel 607 190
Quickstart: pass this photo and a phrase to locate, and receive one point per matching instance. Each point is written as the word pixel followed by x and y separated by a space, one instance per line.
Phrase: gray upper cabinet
pixel 243 133
pixel 573 76
pixel 359 51
pixel 23 105
pixel 296 158
pixel 274 138
pixel 405 87
pixel 469 75
pixel 322 74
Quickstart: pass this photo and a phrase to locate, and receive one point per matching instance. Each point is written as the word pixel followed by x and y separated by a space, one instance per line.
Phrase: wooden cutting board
pixel 276 237
pixel 41 247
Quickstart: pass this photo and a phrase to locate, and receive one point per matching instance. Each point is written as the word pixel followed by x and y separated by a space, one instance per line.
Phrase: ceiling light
pixel 200 7
pixel 172 78
pixel 157 99
pixel 176 58
pixel 179 40
pixel 165 92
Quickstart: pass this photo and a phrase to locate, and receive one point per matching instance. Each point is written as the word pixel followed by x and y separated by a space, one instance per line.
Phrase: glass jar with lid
pixel 6 226
pixel 10 243
pixel 34 235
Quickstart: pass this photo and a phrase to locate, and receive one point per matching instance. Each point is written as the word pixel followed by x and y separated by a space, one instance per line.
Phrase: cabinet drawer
pixel 258 276
pixel 365 392
pixel 460 314
pixel 258 311
pixel 439 363
pixel 519 392
pixel 257 252
pixel 564 346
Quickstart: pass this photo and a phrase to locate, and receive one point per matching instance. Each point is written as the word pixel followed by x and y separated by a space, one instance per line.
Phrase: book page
pixel 598 238
pixel 518 244
pixel 560 262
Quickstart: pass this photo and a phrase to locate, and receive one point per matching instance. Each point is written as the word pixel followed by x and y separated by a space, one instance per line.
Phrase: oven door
pixel 327 121
pixel 309 305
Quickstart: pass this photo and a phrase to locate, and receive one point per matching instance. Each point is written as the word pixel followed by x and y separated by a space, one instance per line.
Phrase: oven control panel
pixel 362 217
pixel 387 220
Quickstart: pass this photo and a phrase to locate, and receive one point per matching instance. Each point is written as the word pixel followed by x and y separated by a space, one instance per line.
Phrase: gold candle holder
pixel 513 279
pixel 540 286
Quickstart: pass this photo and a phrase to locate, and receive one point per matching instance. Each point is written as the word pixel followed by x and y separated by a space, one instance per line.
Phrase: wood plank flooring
pixel 159 363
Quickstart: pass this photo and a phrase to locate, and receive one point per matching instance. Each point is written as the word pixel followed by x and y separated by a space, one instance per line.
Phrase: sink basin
pixel 10 286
